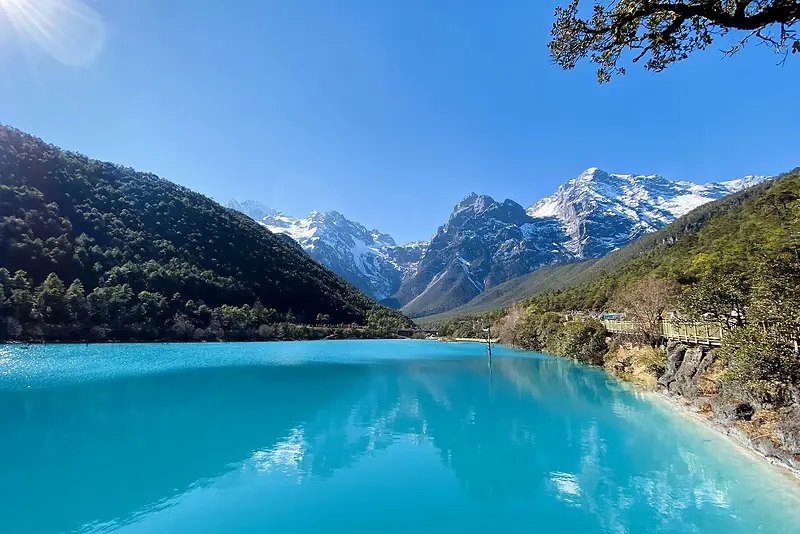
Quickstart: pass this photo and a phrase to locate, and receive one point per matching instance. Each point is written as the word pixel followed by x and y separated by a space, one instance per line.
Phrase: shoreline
pixel 676 403
pixel 762 448
pixel 737 438
pixel 495 341
pixel 182 342
pixel 704 408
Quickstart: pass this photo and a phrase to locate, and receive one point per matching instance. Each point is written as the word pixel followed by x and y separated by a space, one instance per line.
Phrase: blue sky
pixel 389 112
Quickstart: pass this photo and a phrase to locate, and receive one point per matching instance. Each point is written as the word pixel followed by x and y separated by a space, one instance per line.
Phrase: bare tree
pixel 508 327
pixel 644 302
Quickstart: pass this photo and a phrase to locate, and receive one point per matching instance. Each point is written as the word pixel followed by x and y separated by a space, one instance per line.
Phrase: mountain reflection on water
pixel 538 437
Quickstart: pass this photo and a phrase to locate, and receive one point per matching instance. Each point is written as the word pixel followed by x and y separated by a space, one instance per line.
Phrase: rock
pixel 685 367
pixel 765 446
pixel 734 411
pixel 743 411
pixel 781 455
pixel 675 354
pixel 787 428
pixel 705 363
pixel 690 363
pixel 731 392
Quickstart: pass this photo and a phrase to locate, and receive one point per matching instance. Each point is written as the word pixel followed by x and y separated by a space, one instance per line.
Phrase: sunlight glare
pixel 68 30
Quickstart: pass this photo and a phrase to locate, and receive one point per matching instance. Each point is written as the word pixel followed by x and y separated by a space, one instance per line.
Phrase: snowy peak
pixel 475 210
pixel 368 259
pixel 733 186
pixel 253 209
pixel 602 211
pixel 485 242
pixel 474 202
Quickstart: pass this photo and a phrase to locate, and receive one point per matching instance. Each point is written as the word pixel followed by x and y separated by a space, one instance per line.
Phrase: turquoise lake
pixel 358 436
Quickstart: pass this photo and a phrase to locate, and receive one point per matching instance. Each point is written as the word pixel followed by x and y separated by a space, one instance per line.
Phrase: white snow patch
pixel 465 265
pixel 683 204
pixel 433 282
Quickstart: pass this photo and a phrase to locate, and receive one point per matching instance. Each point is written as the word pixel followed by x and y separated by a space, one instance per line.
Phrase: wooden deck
pixel 696 333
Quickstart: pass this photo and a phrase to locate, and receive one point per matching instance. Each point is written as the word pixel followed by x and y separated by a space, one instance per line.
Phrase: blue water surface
pixel 358 436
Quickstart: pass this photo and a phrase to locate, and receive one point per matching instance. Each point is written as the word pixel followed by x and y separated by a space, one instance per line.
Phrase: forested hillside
pixel 727 240
pixel 93 250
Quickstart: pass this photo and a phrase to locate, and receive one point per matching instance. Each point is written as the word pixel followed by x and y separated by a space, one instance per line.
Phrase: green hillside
pixel 89 249
pixel 547 278
pixel 734 262
pixel 726 239
pixel 640 255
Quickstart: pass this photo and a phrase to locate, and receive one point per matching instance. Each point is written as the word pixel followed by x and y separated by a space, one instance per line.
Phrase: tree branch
pixel 669 30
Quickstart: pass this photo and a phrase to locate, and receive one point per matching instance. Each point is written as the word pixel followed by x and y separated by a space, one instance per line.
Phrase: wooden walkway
pixel 697 333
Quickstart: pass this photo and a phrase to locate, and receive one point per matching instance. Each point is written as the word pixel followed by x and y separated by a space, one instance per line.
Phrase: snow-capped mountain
pixel 600 211
pixel 485 242
pixel 252 208
pixel 368 259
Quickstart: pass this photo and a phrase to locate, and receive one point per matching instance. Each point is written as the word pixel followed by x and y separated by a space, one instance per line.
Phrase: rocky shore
pixel 690 383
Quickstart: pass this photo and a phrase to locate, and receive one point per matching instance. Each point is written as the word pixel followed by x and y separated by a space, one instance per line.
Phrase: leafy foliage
pixel 758 357
pixel 92 250
pixel 581 340
pixel 526 328
pixel 762 353
pixel 665 32
pixel 465 326
pixel 584 341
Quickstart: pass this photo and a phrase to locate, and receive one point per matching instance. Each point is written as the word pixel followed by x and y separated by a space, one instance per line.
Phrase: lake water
pixel 358 436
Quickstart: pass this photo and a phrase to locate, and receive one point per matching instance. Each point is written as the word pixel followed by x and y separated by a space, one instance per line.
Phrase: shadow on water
pixel 104 451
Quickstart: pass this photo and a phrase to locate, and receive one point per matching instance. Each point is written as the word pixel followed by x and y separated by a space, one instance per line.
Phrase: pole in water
pixel 489 343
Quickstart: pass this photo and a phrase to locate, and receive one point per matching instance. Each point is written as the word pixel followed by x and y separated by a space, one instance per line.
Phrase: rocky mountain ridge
pixel 486 242
pixel 368 259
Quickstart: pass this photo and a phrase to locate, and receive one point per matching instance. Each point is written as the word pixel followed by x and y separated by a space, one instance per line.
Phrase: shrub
pixel 760 359
pixel 584 341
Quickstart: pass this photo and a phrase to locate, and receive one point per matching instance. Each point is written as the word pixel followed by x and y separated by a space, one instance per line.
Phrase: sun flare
pixel 68 30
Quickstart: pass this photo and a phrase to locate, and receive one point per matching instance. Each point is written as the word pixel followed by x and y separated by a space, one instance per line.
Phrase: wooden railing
pixel 698 333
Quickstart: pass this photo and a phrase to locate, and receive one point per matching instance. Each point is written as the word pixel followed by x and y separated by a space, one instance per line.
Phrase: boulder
pixel 731 392
pixel 787 428
pixel 689 364
pixel 675 354
pixel 765 446
pixel 730 412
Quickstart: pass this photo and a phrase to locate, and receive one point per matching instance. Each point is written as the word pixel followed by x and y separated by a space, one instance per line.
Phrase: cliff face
pixel 688 377
pixel 773 432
